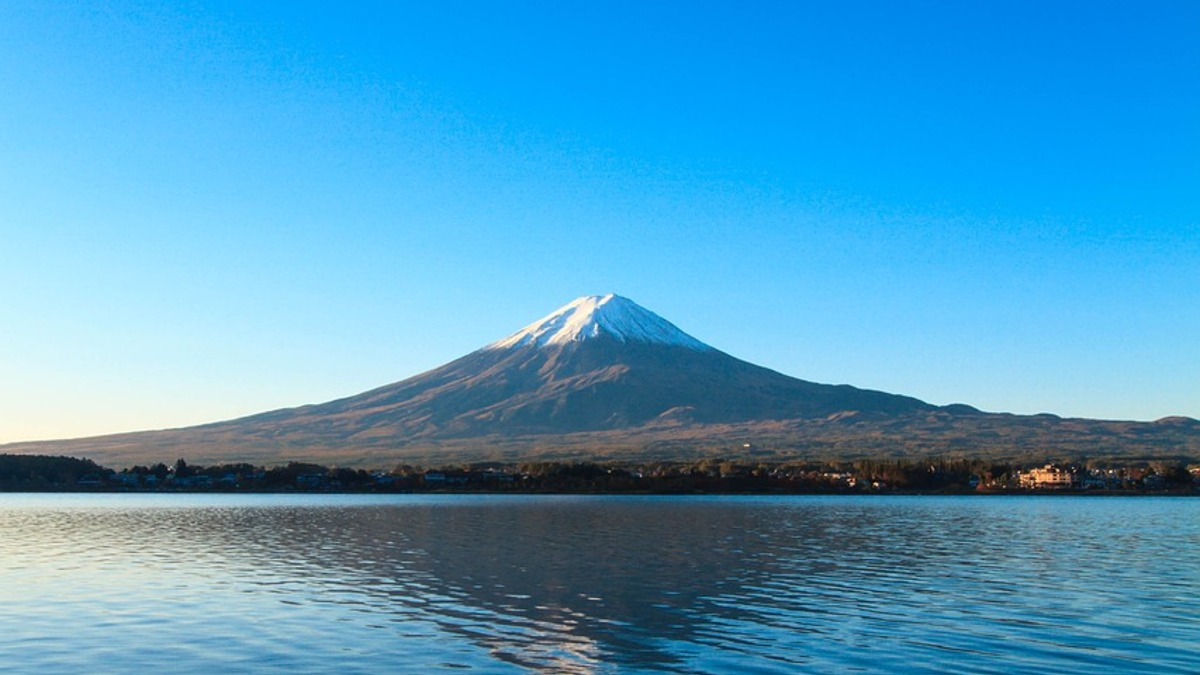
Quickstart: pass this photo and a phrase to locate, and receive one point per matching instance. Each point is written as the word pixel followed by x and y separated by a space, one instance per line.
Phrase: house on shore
pixel 1049 477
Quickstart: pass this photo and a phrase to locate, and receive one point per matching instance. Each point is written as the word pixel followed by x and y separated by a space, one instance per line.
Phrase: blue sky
pixel 212 209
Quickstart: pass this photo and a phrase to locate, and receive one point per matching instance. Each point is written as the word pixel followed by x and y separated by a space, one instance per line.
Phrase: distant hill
pixel 604 377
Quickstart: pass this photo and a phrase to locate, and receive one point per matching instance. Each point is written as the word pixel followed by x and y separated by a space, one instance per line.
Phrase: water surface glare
pixel 414 583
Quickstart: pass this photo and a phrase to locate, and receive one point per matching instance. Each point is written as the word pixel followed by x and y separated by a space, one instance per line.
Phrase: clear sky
pixel 210 209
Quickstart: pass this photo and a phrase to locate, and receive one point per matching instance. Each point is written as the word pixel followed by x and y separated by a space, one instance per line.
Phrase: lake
pixel 583 584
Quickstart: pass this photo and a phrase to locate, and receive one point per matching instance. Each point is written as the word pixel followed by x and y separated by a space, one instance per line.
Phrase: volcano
pixel 604 377
pixel 598 363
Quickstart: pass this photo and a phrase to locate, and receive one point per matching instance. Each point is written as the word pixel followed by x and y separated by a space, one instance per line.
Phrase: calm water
pixel 171 583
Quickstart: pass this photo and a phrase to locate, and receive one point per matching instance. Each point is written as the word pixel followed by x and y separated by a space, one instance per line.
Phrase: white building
pixel 1049 477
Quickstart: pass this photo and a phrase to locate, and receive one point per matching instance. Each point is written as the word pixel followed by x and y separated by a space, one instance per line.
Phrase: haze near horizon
pixel 209 210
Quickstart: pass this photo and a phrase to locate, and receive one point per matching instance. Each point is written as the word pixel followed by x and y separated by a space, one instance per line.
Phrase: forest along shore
pixel 34 473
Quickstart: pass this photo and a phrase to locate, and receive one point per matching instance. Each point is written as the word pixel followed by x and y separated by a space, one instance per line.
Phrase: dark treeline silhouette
pixel 38 473
pixel 931 475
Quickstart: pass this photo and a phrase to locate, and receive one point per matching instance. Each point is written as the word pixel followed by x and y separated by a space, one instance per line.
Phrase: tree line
pixel 713 475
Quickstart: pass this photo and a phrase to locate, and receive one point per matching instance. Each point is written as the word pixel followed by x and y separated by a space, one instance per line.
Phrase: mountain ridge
pixel 604 377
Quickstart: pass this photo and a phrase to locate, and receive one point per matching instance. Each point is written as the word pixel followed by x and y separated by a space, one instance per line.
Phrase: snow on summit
pixel 595 315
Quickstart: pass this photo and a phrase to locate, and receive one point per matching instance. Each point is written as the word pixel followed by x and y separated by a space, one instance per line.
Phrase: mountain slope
pixel 598 363
pixel 602 384
pixel 603 376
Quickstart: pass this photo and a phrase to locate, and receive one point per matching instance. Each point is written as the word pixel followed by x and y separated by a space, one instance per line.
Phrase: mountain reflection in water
pixel 599 584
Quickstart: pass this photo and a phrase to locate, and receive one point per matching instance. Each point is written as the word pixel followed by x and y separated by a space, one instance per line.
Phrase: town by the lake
pixel 717 476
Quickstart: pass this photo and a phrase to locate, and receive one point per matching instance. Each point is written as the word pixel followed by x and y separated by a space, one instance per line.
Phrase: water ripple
pixel 311 584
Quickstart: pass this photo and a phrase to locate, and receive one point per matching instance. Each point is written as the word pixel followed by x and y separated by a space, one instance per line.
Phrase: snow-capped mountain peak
pixel 593 316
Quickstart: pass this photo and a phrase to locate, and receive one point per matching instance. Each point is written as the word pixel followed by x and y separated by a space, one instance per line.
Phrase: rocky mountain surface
pixel 604 377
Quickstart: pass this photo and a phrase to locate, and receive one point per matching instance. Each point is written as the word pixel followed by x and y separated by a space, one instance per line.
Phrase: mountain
pixel 604 377
pixel 600 316
pixel 598 363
